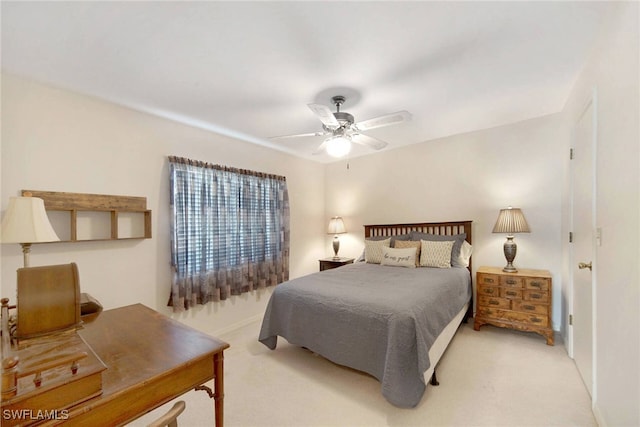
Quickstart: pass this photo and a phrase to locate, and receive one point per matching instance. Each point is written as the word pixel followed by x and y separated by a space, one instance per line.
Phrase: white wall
pixel 463 177
pixel 614 72
pixel 56 140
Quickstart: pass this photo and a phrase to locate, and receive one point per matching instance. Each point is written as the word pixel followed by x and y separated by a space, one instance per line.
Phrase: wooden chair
pixel 170 419
pixel 48 300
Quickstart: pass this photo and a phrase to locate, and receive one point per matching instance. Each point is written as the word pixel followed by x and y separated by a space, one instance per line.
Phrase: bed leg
pixel 469 314
pixel 434 380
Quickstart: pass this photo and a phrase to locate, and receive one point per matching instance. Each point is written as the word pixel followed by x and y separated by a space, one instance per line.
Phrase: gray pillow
pixel 393 238
pixel 457 238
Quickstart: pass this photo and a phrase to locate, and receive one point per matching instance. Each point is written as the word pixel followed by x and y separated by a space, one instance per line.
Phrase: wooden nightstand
pixel 329 263
pixel 519 300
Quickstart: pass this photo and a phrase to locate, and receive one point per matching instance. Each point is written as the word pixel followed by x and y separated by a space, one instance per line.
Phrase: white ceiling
pixel 248 69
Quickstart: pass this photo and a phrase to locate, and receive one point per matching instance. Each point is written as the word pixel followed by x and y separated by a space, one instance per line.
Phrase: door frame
pixel 592 100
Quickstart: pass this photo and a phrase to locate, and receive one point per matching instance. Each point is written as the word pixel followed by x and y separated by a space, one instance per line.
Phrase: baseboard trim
pixel 235 326
pixel 598 415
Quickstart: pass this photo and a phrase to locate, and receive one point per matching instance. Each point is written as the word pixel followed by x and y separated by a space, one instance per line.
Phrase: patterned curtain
pixel 229 231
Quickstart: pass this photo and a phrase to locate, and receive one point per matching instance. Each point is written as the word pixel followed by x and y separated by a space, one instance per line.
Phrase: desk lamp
pixel 26 222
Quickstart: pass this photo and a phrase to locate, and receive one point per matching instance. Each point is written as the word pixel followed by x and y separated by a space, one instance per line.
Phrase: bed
pixel 389 321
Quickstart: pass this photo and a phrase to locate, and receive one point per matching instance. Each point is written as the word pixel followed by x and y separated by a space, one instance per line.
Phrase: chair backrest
pixel 170 419
pixel 48 299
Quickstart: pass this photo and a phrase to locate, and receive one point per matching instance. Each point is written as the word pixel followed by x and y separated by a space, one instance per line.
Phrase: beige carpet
pixel 493 377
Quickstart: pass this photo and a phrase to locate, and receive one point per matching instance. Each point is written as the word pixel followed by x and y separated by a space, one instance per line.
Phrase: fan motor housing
pixel 343 118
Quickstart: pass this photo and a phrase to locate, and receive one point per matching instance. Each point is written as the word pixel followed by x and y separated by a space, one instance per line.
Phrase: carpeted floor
pixel 493 377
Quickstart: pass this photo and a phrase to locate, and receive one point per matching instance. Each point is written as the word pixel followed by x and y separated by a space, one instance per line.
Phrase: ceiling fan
pixel 341 130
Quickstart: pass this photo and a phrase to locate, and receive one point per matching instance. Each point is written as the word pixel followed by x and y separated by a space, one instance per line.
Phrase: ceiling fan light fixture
pixel 338 146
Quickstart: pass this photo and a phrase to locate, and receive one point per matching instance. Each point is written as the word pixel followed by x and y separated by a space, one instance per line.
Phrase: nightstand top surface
pixel 339 259
pixel 520 272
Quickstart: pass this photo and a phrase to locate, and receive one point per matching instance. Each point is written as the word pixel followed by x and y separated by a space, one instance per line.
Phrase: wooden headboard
pixel 442 228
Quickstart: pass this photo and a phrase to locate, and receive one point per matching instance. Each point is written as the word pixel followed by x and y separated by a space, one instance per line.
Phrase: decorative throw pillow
pixel 373 250
pixel 436 254
pixel 402 244
pixel 395 257
pixel 457 238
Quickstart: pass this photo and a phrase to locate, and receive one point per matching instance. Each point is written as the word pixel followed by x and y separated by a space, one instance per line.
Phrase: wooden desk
pixel 151 359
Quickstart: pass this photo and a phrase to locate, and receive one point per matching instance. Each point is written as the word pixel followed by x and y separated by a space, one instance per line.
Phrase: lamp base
pixel 26 250
pixel 336 247
pixel 510 249
pixel 509 268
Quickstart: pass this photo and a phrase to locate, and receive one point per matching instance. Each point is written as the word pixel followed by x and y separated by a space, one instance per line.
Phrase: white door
pixel 583 220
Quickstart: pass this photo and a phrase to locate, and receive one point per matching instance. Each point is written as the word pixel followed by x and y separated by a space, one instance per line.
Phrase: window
pixel 230 231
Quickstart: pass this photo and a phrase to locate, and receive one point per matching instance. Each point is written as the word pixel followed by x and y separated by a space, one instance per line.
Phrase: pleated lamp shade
pixel 511 220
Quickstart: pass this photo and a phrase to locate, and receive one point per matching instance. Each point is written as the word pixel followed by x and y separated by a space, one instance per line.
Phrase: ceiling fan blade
pixel 369 141
pixel 320 148
pixel 299 135
pixel 324 114
pixel 386 120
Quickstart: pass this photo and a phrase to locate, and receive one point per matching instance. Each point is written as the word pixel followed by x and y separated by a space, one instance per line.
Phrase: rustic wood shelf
pixel 106 211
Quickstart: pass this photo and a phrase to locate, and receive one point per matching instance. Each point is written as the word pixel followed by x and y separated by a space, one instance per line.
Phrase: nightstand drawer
pixel 494 302
pixel 536 296
pixel 512 282
pixel 329 263
pixel 528 307
pixel 511 293
pixel 537 284
pixel 488 279
pixel 488 290
pixel 515 317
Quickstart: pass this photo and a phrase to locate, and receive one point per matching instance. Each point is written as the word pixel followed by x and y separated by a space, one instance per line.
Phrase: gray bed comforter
pixel 377 319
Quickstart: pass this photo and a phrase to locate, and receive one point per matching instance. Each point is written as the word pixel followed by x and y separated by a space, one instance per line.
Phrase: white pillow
pixel 373 250
pixel 399 257
pixel 436 253
pixel 465 254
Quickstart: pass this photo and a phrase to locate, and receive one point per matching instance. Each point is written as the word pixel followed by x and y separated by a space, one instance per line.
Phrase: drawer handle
pixel 511 293
pixel 536 296
pixel 488 291
pixel 511 282
pixel 536 285
pixel 536 320
pixel 494 302
pixel 529 307
pixel 487 280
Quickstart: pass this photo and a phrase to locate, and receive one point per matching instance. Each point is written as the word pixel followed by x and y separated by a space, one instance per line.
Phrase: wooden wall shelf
pixel 97 217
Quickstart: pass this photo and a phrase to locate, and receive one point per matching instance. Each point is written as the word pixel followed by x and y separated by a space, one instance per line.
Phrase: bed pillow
pixel 393 238
pixel 410 244
pixel 373 250
pixel 456 238
pixel 399 257
pixel 436 253
pixel 465 254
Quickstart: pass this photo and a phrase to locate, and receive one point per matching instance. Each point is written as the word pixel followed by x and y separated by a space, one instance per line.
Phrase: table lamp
pixel 510 221
pixel 26 222
pixel 336 226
